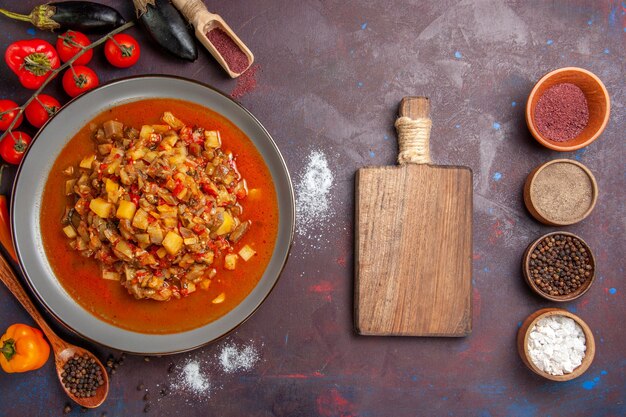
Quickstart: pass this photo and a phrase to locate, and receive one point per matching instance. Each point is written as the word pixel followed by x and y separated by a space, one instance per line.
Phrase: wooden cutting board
pixel 413 239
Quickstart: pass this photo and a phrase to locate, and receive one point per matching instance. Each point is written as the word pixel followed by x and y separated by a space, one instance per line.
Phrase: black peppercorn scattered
pixel 146 408
pixel 82 376
pixel 560 265
pixel 140 387
pixel 112 364
pixel 67 409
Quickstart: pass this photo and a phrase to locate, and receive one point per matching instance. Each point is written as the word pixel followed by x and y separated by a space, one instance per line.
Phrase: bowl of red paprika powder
pixel 567 109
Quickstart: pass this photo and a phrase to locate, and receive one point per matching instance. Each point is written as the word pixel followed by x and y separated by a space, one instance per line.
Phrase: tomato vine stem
pixel 56 71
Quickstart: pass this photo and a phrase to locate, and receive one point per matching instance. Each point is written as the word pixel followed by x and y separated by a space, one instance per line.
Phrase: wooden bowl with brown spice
pixel 524 334
pixel 560 192
pixel 559 266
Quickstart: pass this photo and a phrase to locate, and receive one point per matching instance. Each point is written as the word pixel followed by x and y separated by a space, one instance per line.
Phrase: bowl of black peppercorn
pixel 559 266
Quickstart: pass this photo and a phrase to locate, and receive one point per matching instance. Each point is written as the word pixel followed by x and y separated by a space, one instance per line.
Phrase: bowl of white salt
pixel 556 344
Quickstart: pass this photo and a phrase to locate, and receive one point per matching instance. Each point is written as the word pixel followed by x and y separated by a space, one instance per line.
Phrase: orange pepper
pixel 5 229
pixel 23 348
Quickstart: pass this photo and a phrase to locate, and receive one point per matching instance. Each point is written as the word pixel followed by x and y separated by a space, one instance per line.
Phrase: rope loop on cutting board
pixel 413 140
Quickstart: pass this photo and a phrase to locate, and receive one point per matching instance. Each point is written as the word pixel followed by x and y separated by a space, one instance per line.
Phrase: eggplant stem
pixel 141 6
pixel 16 16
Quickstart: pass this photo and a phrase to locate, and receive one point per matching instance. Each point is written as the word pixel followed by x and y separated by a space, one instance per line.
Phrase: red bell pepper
pixel 32 61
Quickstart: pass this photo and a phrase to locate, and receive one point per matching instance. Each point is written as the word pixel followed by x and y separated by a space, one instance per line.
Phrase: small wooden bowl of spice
pixel 560 192
pixel 567 109
pixel 559 266
pixel 556 344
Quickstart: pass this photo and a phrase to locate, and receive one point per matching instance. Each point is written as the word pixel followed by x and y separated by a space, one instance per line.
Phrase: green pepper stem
pixel 56 71
pixel 37 64
pixel 8 349
pixel 16 16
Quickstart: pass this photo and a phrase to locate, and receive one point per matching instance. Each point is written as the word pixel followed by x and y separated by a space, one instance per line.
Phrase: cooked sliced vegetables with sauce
pixel 157 207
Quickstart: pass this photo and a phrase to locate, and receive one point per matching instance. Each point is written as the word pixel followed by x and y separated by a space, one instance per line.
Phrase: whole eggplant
pixel 167 27
pixel 83 16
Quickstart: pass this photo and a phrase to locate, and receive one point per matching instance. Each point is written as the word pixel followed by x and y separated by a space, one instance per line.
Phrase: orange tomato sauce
pixel 108 300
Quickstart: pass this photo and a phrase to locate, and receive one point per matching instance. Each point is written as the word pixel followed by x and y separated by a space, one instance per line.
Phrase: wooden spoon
pixel 63 351
pixel 204 21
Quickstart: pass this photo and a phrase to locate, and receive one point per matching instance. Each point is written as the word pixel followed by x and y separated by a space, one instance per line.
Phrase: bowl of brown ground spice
pixel 560 192
pixel 567 109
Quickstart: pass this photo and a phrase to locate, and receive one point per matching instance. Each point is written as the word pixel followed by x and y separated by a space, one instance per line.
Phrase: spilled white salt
pixel 313 197
pixel 192 379
pixel 234 359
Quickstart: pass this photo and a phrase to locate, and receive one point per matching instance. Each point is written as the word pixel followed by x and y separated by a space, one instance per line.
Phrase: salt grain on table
pixel 192 379
pixel 313 198
pixel 234 359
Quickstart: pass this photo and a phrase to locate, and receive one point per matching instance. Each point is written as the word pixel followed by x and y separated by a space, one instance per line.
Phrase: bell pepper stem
pixel 8 349
pixel 37 64
pixel 16 16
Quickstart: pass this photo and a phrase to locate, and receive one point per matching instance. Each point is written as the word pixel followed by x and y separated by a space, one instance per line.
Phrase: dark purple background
pixel 330 78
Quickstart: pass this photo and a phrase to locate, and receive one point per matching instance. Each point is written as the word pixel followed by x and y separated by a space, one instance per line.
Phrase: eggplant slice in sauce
pixel 167 27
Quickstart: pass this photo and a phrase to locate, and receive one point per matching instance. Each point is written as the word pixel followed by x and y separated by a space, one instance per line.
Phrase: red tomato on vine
pixel 71 43
pixel 8 111
pixel 79 79
pixel 13 146
pixel 42 108
pixel 122 51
